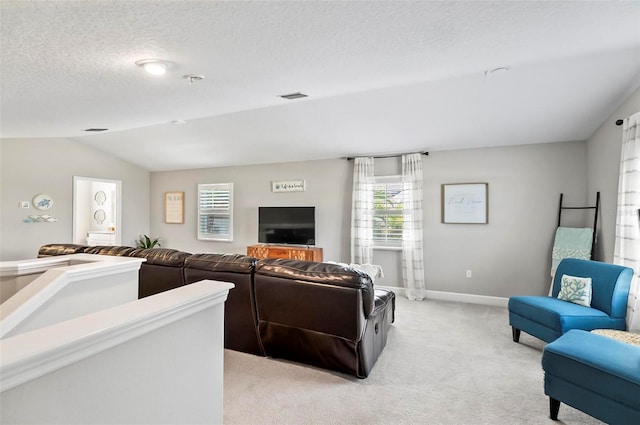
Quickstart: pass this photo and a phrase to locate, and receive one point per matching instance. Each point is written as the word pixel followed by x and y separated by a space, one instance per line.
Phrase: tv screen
pixel 287 225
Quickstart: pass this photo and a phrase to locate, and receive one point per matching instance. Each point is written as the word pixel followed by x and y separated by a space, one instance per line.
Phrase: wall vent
pixel 291 96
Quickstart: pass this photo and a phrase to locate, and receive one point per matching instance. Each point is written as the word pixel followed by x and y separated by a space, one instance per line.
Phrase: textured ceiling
pixel 382 77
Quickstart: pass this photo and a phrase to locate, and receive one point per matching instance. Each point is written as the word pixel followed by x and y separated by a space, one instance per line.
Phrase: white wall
pixel 158 360
pixel 33 166
pixel 604 167
pixel 93 283
pixel 510 255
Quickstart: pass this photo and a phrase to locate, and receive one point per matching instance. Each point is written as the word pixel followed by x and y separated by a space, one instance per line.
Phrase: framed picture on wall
pixel 174 207
pixel 465 203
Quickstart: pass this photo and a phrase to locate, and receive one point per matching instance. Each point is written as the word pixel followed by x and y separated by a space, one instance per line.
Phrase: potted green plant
pixel 146 242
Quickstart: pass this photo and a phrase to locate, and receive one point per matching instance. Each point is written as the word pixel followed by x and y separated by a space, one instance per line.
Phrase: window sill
pixel 388 248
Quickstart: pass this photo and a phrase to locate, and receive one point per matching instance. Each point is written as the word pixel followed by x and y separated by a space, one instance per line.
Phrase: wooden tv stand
pixel 291 252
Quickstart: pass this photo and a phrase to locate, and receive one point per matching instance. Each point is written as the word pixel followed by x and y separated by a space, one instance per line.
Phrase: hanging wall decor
pixel 465 203
pixel 100 197
pixel 42 202
pixel 288 186
pixel 99 216
pixel 174 207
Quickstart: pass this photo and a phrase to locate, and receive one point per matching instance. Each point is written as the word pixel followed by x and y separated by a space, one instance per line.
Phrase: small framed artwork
pixel 465 203
pixel 174 207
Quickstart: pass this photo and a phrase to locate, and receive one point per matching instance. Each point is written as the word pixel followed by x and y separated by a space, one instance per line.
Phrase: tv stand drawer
pixel 289 252
pixel 278 253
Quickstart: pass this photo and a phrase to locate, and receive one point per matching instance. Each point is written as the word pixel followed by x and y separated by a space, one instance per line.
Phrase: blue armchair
pixel 547 317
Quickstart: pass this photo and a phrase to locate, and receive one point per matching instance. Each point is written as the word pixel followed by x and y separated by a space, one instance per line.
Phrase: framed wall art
pixel 288 186
pixel 465 203
pixel 174 207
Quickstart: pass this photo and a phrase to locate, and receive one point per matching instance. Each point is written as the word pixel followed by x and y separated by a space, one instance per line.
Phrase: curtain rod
pixel 619 122
pixel 392 155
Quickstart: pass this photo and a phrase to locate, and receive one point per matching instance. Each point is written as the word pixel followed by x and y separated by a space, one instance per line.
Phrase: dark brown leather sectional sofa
pixel 320 314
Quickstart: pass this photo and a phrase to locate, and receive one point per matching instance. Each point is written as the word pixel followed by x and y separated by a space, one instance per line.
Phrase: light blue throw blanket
pixel 571 242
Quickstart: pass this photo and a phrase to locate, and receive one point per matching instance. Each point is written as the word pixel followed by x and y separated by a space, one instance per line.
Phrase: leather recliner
pixel 326 315
pixel 321 314
pixel 163 270
pixel 240 324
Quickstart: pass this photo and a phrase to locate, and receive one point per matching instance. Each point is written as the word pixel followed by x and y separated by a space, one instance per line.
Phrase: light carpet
pixel 444 363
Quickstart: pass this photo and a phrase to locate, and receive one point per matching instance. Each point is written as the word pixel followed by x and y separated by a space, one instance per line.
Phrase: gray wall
pixel 603 150
pixel 33 166
pixel 511 255
pixel 508 256
pixel 327 188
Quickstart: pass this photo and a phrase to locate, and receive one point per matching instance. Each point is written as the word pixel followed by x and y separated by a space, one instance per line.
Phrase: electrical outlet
pixel 24 204
pixel 468 274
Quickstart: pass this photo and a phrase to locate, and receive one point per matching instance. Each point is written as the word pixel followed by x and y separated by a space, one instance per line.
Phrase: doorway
pixel 97 211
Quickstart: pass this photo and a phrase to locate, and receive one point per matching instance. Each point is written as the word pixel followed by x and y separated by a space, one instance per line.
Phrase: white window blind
pixel 215 212
pixel 388 202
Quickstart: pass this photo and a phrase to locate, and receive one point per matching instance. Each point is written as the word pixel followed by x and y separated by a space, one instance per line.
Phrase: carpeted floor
pixel 444 363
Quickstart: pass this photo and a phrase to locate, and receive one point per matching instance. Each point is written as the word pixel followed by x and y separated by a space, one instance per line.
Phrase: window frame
pixel 220 213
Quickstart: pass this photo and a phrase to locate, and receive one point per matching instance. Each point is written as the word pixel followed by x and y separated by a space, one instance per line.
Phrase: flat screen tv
pixel 287 225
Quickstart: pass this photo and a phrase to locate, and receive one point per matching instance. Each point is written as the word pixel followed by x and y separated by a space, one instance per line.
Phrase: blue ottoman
pixel 595 374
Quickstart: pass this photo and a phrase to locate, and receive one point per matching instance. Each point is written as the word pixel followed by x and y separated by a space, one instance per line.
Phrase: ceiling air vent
pixel 292 96
pixel 95 130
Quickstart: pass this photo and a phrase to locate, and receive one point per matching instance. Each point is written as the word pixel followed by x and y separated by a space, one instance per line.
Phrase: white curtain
pixel 627 243
pixel 362 211
pixel 412 246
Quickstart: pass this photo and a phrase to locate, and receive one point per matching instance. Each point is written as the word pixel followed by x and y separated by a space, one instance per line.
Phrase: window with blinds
pixel 388 201
pixel 215 212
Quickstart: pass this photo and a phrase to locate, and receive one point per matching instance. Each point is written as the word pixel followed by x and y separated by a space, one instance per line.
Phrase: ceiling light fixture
pixel 153 66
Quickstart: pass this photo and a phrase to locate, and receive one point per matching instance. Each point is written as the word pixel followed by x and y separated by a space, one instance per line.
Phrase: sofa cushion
pixel 236 263
pixel 600 364
pixel 121 251
pixel 60 249
pixel 562 315
pixel 575 290
pixel 161 256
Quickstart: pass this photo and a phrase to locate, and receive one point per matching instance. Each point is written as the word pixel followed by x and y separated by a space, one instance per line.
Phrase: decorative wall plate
pixel 42 202
pixel 100 197
pixel 99 216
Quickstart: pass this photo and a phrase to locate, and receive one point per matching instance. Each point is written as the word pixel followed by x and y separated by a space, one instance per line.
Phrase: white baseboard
pixel 455 296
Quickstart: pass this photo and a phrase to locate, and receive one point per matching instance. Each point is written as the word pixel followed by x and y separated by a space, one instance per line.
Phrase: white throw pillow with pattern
pixel 575 289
